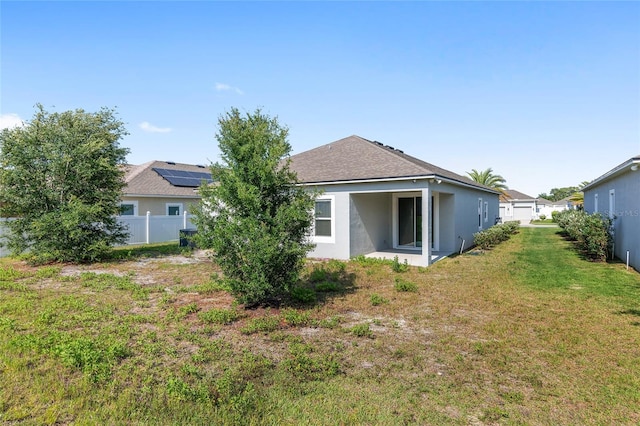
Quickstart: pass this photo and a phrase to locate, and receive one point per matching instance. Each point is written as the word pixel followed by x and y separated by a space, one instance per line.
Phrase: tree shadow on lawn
pixel 634 312
pixel 324 281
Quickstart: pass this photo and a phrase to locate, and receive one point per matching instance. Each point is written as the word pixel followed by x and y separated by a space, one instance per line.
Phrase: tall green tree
pixel 61 178
pixel 255 217
pixel 557 194
pixel 488 178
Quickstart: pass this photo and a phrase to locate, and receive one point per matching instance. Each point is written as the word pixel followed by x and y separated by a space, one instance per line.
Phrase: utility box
pixel 186 237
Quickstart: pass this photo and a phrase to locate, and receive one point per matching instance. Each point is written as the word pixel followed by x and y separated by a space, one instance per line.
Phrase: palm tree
pixel 578 197
pixel 488 178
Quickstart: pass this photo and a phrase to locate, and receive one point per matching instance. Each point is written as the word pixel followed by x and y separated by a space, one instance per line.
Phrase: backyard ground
pixel 527 333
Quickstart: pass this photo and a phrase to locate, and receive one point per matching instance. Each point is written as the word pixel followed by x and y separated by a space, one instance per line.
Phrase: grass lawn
pixel 527 333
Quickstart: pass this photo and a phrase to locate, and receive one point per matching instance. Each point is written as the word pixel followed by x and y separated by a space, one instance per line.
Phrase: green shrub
pixel 496 234
pixel 543 216
pixel 592 233
pixel 327 287
pixel 303 295
pixel 256 219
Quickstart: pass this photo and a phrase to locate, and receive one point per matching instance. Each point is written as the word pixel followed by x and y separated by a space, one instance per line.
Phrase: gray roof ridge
pixel 399 154
pixel 139 168
pixel 429 168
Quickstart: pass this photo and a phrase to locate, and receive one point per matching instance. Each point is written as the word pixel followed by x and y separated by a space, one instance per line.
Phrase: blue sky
pixel 545 93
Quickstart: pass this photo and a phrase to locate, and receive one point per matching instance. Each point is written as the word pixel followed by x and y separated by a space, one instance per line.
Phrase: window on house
pixel 126 209
pixel 174 209
pixel 612 204
pixel 595 203
pixel 323 218
pixel 486 211
pixel 129 208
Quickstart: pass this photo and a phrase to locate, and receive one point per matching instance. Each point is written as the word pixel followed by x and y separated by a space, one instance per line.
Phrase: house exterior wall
pixel 339 247
pixel 626 212
pixel 364 212
pixel 466 213
pixel 158 205
pixel 447 240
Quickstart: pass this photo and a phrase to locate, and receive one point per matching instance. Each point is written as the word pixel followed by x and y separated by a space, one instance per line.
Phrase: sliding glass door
pixel 410 222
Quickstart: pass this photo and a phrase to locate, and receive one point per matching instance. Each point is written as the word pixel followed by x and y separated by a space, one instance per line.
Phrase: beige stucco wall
pixel 158 206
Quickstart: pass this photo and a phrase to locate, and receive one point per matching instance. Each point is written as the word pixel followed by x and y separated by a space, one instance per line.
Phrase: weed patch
pixel 402 285
pixel 261 325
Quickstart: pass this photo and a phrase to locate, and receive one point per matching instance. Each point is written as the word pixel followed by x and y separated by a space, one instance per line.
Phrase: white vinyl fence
pixel 142 229
pixel 155 229
pixel 3 250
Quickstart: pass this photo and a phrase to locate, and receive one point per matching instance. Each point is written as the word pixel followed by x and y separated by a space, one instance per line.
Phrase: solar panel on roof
pixel 183 178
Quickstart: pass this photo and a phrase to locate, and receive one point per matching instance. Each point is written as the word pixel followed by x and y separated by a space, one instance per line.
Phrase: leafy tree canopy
pixel 61 178
pixel 557 194
pixel 488 178
pixel 255 217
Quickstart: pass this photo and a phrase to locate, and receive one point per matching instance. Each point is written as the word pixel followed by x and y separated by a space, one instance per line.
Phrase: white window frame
pixel 132 202
pixel 179 205
pixel 612 204
pixel 480 214
pixel 325 239
pixel 486 211
pixel 595 203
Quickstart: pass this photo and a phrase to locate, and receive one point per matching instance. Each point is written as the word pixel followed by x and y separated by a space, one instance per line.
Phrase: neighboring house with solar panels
pixel 162 188
pixel 380 202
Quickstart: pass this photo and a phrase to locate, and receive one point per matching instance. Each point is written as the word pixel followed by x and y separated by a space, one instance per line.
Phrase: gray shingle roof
pixel 512 194
pixel 143 180
pixel 354 158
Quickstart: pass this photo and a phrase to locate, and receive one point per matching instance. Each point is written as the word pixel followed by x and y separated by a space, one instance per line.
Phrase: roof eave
pixel 401 178
pixel 622 168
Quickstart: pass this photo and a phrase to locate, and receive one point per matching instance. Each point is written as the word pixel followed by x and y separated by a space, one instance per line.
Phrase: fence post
pixel 147 226
pixel 184 220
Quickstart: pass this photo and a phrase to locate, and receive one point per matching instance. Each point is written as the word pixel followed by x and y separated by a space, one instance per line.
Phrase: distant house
pixel 546 207
pixel 380 201
pixel 616 195
pixel 515 205
pixel 162 188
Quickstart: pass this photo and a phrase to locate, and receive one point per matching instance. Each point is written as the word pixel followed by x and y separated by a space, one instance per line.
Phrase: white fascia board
pixel 161 196
pixel 410 178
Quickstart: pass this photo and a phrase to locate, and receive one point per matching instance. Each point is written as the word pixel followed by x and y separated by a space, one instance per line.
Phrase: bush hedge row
pixel 495 235
pixel 592 232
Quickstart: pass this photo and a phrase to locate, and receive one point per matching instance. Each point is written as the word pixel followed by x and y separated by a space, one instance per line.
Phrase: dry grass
pixel 478 343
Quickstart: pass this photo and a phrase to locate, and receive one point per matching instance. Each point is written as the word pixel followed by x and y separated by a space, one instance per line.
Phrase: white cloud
pixel 148 127
pixel 8 121
pixel 221 87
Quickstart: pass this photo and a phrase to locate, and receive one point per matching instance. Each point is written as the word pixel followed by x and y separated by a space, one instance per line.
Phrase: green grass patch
pixel 526 333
